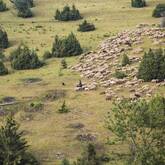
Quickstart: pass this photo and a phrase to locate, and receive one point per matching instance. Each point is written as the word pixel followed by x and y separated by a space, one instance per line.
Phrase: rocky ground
pixel 99 66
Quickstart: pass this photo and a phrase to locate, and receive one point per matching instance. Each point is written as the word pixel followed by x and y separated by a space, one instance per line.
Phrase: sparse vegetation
pixel 24 58
pixel 66 47
pixel 63 108
pixel 85 27
pixel 152 65
pixel 119 74
pixel 68 14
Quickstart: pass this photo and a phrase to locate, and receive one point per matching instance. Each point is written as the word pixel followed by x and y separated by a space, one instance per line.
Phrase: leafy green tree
pixel 3 69
pixel 66 47
pixel 141 125
pixel 23 7
pixel 2 6
pixel 68 14
pixel 159 10
pixel 85 27
pixel 24 58
pixel 152 65
pixel 13 147
pixel 138 3
pixel 4 43
pixel 89 157
pixel 125 60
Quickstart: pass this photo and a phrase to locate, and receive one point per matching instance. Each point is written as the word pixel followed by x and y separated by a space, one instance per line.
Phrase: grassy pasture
pixel 47 131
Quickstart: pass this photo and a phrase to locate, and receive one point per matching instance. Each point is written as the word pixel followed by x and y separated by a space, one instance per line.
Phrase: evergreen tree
pixel 69 46
pixel 89 157
pixel 13 147
pixel 3 39
pixel 138 3
pixel 152 65
pixel 159 10
pixel 85 27
pixel 23 7
pixel 24 58
pixel 68 14
pixel 125 60
pixel 2 6
pixel 3 70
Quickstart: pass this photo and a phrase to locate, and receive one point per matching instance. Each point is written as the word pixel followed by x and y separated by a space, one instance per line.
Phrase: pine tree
pixel 125 60
pixel 85 27
pixel 138 3
pixel 152 65
pixel 2 6
pixel 159 10
pixel 24 58
pixel 13 147
pixel 3 39
pixel 3 69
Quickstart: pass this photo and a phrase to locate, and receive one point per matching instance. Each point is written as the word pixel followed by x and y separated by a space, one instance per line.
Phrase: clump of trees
pixel 3 39
pixel 152 65
pixel 66 47
pixel 3 69
pixel 23 7
pixel 85 27
pixel 68 14
pixel 13 147
pixel 125 60
pixel 2 6
pixel 141 125
pixel 24 58
pixel 159 11
pixel 138 3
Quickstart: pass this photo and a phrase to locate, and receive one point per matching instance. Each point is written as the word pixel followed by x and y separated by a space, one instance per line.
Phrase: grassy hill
pixel 48 132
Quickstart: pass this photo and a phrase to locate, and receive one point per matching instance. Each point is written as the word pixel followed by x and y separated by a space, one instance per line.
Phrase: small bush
pixel 138 3
pixel 36 107
pixel 125 60
pixel 24 58
pixel 2 6
pixel 159 10
pixel 3 39
pixel 47 55
pixel 66 47
pixel 85 27
pixel 63 64
pixel 152 65
pixel 68 14
pixel 63 108
pixel 119 74
pixel 3 70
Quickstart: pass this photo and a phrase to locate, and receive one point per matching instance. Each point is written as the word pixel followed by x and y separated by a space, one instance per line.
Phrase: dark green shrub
pixel 24 58
pixel 159 10
pixel 66 47
pixel 138 3
pixel 13 147
pixel 63 64
pixel 2 6
pixel 3 70
pixel 3 39
pixel 119 74
pixel 23 7
pixel 68 14
pixel 47 55
pixel 63 108
pixel 85 27
pixel 125 60
pixel 152 65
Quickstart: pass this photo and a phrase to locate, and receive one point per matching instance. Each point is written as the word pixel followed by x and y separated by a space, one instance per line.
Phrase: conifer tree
pixel 138 3
pixel 159 11
pixel 3 39
pixel 85 27
pixel 2 6
pixel 3 69
pixel 13 147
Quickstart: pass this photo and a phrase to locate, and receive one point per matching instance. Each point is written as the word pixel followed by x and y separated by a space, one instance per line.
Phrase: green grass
pixel 47 132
